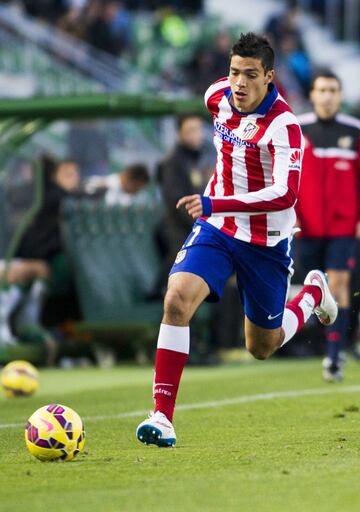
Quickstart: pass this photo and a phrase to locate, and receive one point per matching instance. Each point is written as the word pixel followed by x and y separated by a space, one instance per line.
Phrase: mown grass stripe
pixel 297 393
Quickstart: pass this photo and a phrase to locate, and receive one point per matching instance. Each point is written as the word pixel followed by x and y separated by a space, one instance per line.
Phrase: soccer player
pixel 328 206
pixel 244 223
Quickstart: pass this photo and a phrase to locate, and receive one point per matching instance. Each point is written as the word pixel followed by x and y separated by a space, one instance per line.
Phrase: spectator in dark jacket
pixel 42 240
pixel 186 170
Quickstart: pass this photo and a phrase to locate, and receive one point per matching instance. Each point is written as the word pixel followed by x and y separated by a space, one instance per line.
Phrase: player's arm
pixel 286 151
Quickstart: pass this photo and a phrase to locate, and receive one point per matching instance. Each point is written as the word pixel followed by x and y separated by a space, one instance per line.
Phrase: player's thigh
pixel 206 254
pixel 262 342
pixel 263 275
pixel 184 295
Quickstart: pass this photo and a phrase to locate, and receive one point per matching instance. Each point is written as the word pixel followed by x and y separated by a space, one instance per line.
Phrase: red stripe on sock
pixel 169 366
pixel 315 292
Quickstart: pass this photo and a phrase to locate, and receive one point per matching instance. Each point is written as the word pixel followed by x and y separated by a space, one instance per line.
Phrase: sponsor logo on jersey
pixel 229 136
pixel 250 130
pixel 342 165
pixel 180 256
pixel 295 159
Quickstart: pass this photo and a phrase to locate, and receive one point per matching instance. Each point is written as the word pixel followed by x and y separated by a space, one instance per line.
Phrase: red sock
pixel 300 308
pixel 168 371
pixel 171 357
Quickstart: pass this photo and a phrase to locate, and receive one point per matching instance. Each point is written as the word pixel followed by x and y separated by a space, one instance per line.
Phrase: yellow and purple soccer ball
pixel 54 432
pixel 19 378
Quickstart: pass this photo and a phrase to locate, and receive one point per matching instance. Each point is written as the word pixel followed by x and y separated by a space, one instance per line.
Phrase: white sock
pixel 8 302
pixel 31 311
pixel 9 299
pixel 289 324
pixel 293 322
pixel 174 338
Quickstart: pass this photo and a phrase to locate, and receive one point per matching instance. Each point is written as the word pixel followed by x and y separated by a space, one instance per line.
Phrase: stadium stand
pixel 116 265
pixel 40 58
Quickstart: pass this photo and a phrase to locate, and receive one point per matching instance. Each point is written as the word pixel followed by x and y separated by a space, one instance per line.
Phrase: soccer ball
pixel 54 432
pixel 19 378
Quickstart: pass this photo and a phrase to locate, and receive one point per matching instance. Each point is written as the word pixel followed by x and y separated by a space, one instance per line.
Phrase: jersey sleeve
pixel 286 148
pixel 214 94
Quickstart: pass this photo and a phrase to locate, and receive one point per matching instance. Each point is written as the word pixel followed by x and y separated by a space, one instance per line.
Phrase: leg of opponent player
pixel 339 261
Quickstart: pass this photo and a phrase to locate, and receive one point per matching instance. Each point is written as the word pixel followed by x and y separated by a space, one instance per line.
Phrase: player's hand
pixel 192 204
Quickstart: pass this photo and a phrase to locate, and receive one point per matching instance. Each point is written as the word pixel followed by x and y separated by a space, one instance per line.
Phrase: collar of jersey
pixel 264 106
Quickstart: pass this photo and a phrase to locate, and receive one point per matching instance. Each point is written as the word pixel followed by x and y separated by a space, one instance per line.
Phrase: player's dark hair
pixel 324 73
pixel 256 46
pixel 184 117
pixel 138 172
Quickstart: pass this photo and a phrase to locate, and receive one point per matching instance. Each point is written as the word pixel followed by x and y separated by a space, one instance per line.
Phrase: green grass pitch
pixel 258 437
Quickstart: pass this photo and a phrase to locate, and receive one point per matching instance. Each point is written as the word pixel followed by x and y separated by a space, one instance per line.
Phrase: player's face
pixel 249 82
pixel 326 97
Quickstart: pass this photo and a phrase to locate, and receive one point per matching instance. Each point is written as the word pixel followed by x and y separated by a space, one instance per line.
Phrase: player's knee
pixel 258 351
pixel 176 307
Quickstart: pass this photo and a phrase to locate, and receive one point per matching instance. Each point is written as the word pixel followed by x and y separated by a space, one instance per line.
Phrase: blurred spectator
pixel 73 23
pixel 125 187
pixel 186 170
pixel 172 28
pixel 108 26
pixel 209 63
pixel 50 10
pixel 328 203
pixel 120 22
pixel 293 70
pixel 283 22
pixel 296 59
pixel 39 262
pixel 42 240
pixel 293 64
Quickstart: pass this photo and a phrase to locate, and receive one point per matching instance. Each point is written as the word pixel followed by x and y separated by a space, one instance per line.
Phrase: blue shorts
pixel 326 253
pixel 263 273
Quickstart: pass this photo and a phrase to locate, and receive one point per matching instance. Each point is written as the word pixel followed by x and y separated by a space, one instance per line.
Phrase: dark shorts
pixel 263 273
pixel 326 253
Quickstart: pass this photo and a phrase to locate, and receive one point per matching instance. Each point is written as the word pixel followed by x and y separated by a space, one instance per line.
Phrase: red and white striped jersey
pixel 256 179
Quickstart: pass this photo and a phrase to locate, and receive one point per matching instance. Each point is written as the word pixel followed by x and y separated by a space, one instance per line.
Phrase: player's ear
pixel 269 76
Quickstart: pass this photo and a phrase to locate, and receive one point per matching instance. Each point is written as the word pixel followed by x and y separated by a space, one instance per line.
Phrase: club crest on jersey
pixel 295 159
pixel 249 131
pixel 345 142
pixel 180 256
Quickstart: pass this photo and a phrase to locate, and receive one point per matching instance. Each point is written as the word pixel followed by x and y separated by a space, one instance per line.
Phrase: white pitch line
pixel 298 393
